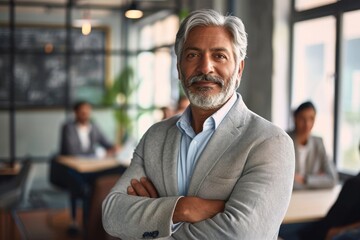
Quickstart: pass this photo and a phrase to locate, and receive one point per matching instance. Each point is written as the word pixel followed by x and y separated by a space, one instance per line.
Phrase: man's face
pixel 207 68
pixel 83 113
pixel 304 121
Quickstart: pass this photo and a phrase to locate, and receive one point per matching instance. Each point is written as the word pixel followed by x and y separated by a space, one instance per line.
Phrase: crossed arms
pixel 229 207
pixel 188 209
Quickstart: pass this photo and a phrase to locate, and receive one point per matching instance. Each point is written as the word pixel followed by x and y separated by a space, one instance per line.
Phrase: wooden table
pixel 7 172
pixel 86 165
pixel 310 205
pixel 85 171
pixel 6 169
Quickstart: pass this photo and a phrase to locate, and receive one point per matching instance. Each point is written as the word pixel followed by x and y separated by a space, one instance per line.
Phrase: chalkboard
pixel 40 66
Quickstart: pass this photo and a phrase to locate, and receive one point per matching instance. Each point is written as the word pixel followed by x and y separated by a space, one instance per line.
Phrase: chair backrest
pixel 12 193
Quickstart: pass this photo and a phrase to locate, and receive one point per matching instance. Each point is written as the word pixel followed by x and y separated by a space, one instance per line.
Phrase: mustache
pixel 206 77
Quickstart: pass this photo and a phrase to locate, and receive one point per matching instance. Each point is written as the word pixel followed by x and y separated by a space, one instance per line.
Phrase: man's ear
pixel 241 68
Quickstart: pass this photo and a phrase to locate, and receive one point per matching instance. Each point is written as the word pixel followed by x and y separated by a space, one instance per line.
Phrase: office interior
pixel 55 52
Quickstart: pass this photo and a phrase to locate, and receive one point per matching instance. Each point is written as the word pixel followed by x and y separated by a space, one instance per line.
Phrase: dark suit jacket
pixel 345 211
pixel 70 141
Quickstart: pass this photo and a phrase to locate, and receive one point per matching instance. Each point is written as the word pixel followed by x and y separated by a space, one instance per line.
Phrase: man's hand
pixel 195 209
pixel 142 188
pixel 299 178
pixel 113 151
pixel 188 209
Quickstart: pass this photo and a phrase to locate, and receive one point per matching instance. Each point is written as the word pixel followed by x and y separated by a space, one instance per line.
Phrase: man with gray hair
pixel 218 171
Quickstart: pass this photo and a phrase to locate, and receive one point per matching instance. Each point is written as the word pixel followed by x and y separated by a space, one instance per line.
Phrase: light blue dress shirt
pixel 192 145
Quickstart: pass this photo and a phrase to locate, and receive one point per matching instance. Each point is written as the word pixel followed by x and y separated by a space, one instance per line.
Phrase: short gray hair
pixel 209 17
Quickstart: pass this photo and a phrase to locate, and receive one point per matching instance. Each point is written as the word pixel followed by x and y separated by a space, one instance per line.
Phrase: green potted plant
pixel 117 96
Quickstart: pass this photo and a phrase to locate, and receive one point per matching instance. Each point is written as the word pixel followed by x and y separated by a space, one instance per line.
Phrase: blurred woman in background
pixel 313 168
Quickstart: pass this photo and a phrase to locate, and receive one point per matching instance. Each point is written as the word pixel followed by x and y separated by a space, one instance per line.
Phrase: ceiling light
pixel 86 28
pixel 133 12
pixel 86 23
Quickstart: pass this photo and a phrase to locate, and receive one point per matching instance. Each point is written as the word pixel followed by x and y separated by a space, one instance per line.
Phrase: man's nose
pixel 206 65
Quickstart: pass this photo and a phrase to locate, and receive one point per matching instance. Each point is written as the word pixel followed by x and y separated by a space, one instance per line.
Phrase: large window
pixel 349 106
pixel 157 70
pixel 326 70
pixel 313 72
pixel 308 4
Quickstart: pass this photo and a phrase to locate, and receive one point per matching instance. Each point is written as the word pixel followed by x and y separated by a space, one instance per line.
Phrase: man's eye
pixel 220 56
pixel 191 55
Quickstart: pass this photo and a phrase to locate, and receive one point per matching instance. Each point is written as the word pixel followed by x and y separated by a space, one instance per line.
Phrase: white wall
pixel 36 132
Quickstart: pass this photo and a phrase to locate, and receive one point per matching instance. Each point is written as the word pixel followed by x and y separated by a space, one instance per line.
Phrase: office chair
pixel 12 193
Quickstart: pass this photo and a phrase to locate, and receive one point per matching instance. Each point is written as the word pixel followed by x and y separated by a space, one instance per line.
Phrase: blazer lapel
pixel 170 159
pixel 310 157
pixel 227 131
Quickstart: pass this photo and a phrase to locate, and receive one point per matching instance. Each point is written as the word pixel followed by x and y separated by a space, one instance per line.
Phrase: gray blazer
pixel 70 142
pixel 320 172
pixel 248 162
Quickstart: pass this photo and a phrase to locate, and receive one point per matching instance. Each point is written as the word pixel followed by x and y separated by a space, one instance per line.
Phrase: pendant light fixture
pixel 133 12
pixel 86 24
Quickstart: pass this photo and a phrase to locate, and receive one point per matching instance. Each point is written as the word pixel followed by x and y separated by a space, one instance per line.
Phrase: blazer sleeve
pixel 326 176
pixel 132 217
pixel 66 141
pixel 255 205
pixel 100 138
pixel 259 200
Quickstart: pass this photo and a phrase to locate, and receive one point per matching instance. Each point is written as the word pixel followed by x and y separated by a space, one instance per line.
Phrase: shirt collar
pixel 219 115
pixel 184 123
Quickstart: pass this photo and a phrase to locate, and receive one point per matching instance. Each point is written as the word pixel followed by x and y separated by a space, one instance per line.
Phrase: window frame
pixel 337 10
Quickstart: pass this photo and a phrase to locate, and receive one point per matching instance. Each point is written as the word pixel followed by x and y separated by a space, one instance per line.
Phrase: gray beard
pixel 201 99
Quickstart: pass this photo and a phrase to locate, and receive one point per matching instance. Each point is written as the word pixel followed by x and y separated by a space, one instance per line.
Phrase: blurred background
pixel 56 52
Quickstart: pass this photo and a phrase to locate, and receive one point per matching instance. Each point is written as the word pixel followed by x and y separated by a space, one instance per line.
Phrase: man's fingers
pixel 149 187
pixel 139 189
pixel 142 188
pixel 131 191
